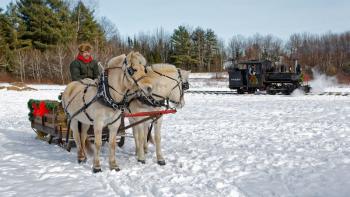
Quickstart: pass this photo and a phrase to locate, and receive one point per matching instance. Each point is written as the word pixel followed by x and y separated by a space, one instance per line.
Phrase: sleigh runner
pixel 49 122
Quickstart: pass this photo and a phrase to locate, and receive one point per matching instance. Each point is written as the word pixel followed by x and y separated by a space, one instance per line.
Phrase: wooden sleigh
pixel 49 122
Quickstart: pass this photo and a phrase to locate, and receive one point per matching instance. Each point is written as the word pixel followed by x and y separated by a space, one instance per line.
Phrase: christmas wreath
pixel 40 107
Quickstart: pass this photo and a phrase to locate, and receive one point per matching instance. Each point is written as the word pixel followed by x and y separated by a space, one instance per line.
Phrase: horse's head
pixel 169 84
pixel 184 75
pixel 135 66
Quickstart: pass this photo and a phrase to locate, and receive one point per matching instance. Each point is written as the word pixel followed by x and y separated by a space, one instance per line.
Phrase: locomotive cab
pixel 247 76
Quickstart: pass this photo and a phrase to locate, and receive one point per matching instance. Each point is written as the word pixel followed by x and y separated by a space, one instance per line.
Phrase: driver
pixel 84 66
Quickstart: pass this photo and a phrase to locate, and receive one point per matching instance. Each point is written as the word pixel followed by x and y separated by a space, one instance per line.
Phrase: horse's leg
pixel 112 143
pixel 76 135
pixel 83 137
pixel 139 138
pixel 145 131
pixel 136 137
pixel 157 136
pixel 135 134
pixel 98 143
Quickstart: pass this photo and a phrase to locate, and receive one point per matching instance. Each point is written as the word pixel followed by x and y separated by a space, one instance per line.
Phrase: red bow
pixel 41 110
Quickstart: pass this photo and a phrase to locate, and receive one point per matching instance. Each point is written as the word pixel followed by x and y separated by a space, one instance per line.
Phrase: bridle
pixel 130 71
pixel 165 101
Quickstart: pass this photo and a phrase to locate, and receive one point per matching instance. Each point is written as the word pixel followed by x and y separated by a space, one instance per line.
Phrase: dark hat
pixel 84 47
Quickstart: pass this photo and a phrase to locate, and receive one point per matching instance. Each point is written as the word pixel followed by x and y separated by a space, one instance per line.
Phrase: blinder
pixel 131 71
pixel 185 86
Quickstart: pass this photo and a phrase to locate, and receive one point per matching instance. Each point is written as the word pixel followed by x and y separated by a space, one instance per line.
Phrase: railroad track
pixel 210 92
pixel 227 92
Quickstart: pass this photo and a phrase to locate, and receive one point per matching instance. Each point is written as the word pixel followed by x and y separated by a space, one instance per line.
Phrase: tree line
pixel 39 39
pixel 329 53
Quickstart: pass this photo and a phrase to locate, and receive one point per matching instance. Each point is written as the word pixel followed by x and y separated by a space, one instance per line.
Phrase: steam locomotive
pixel 262 75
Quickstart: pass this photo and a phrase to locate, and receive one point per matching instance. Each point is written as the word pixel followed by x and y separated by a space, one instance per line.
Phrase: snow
pixel 213 75
pixel 227 145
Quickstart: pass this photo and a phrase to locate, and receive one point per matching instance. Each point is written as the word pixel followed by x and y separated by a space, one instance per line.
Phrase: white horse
pixel 98 103
pixel 168 87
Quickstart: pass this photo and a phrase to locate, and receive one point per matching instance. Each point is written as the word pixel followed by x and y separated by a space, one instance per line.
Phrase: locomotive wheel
pixel 286 92
pixel 240 91
pixel 271 92
pixel 251 91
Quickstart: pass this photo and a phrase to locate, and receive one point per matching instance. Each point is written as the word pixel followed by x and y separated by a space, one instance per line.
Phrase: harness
pixel 103 95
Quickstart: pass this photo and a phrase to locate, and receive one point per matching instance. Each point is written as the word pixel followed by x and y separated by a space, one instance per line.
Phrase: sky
pixel 226 17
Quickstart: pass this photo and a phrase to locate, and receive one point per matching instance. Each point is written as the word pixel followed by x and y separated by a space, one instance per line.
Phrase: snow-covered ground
pixel 217 145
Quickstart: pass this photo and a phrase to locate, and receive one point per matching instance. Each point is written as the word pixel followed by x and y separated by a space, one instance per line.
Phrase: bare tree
pixel 108 27
pixel 47 56
pixel 236 46
pixel 22 59
pixel 61 53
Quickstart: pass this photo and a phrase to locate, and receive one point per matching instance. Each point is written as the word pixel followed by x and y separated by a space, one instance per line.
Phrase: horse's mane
pixel 136 56
pixel 164 68
pixel 116 61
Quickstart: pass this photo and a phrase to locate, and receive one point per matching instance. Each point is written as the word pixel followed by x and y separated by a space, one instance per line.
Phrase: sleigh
pixel 49 122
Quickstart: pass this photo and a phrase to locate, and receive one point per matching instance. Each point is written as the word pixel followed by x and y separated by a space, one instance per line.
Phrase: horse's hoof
pixel 82 161
pixel 141 161
pixel 115 169
pixel 161 163
pixel 94 170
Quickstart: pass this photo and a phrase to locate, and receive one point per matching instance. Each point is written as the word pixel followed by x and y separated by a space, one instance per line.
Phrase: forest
pixel 39 39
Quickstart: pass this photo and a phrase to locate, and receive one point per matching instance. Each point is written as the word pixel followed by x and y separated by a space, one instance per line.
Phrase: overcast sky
pixel 226 17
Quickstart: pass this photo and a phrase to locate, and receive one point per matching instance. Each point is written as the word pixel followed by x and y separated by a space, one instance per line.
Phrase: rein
pixel 164 102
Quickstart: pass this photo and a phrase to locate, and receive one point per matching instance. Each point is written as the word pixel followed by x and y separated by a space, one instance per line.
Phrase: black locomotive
pixel 253 75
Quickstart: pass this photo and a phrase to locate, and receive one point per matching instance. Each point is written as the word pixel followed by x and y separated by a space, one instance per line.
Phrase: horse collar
pixel 104 96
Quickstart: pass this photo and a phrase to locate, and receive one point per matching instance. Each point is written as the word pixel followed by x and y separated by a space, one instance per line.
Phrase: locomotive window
pixel 242 66
pixel 257 69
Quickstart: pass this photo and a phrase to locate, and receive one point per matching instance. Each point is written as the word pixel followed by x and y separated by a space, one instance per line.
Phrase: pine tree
pixel 3 22
pixel 211 47
pixel 198 38
pixel 181 43
pixel 5 30
pixel 136 45
pixel 18 28
pixel 7 42
pixel 130 42
pixel 42 25
pixel 61 11
pixel 87 28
